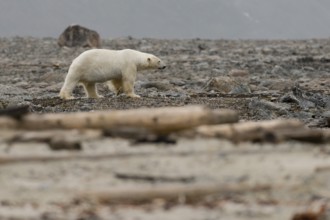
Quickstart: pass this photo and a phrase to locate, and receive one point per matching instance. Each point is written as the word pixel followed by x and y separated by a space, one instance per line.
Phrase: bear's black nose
pixel 162 67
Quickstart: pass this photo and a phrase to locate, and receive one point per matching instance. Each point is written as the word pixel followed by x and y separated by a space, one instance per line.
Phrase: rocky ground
pixel 259 79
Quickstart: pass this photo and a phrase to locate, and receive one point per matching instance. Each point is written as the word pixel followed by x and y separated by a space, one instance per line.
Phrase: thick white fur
pixel 116 67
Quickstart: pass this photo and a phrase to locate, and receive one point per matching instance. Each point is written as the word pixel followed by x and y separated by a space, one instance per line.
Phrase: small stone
pixel 238 73
pixel 175 94
pixel 42 84
pixel 203 66
pixel 278 70
pixel 24 85
pixel 178 82
pixel 280 85
pixel 48 109
pixel 158 85
pixel 240 89
pixel 326 114
pixel 268 110
pixel 86 107
pixel 3 104
pixel 229 85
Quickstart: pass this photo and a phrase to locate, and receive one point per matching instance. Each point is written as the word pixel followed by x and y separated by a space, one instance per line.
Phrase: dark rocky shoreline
pixel 261 79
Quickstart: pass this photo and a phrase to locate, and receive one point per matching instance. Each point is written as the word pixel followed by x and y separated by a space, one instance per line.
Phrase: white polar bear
pixel 116 67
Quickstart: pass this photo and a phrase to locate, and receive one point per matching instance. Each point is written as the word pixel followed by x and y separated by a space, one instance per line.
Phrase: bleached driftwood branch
pixel 272 130
pixel 175 193
pixel 80 155
pixel 158 120
pixel 57 139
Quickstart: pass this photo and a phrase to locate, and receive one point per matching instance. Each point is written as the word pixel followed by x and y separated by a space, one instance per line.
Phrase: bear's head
pixel 154 62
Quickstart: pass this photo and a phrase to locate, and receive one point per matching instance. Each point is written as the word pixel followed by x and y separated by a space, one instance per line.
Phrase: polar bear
pixel 118 68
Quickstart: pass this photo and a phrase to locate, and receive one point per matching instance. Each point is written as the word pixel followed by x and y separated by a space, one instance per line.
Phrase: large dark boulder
pixel 78 36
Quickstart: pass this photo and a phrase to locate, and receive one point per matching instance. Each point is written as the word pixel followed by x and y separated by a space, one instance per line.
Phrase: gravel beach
pixel 261 80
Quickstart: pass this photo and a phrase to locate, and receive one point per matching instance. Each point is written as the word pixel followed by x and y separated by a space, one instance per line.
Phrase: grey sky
pixel 233 19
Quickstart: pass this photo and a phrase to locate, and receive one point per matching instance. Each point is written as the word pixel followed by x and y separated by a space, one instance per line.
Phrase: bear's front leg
pixel 128 80
pixel 66 96
pixel 128 87
pixel 66 90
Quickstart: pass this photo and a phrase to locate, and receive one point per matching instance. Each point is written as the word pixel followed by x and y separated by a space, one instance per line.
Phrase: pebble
pixel 86 107
pixel 238 73
pixel 24 85
pixel 3 104
pixel 158 85
pixel 241 89
pixel 326 115
pixel 177 82
pixel 203 66
pixel 279 71
pixel 226 84
pixel 277 84
pixel 268 110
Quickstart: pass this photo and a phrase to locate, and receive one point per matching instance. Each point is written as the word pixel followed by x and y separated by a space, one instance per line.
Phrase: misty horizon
pixel 183 19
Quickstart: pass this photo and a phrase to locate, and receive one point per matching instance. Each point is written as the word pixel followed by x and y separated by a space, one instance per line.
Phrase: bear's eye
pixel 158 61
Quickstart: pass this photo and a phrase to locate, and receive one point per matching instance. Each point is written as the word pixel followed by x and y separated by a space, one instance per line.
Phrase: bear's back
pixel 94 58
pixel 109 53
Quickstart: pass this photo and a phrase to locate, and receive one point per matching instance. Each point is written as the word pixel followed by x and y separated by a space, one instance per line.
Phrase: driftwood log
pixel 172 193
pixel 81 155
pixel 157 120
pixel 47 135
pixel 56 139
pixel 273 131
pixel 75 155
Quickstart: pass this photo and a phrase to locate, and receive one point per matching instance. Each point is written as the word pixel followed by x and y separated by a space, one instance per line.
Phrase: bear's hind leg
pixel 90 89
pixel 116 86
